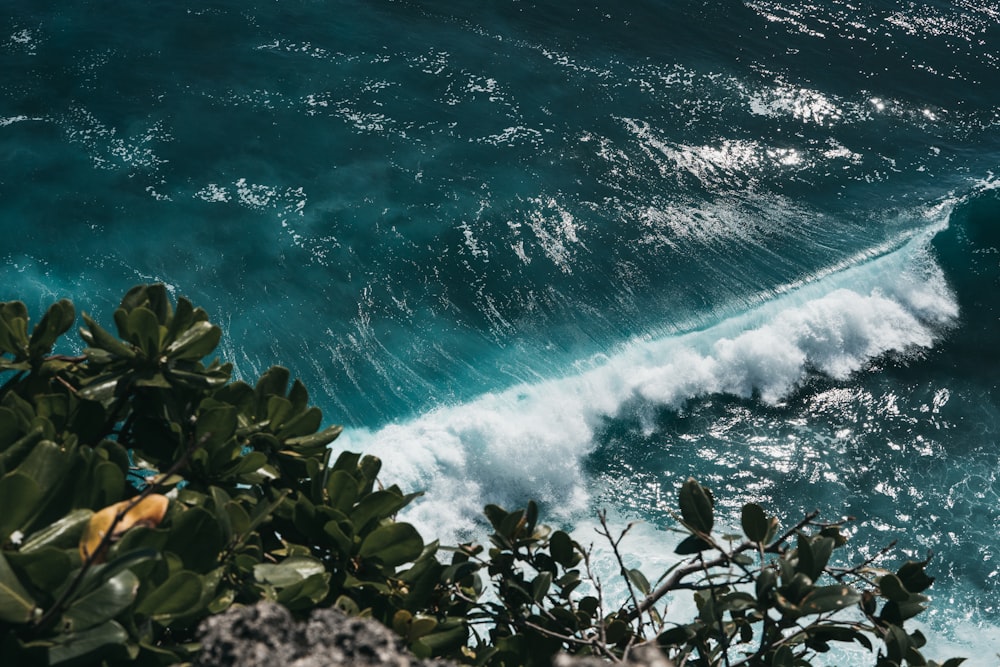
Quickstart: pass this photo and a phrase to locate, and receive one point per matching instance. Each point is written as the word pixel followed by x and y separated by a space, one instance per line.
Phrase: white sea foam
pixel 530 440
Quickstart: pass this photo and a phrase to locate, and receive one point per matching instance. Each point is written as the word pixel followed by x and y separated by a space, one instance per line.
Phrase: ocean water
pixel 574 252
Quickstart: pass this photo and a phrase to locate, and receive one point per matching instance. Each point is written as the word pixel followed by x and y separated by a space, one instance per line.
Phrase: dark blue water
pixel 540 249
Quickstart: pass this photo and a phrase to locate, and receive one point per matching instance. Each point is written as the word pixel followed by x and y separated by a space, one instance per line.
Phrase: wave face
pixel 536 249
pixel 533 438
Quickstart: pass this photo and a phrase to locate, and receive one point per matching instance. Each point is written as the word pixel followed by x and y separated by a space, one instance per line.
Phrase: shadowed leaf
pixel 697 506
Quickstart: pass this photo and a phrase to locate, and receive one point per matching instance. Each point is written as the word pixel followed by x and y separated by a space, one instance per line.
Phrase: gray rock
pixel 643 655
pixel 266 635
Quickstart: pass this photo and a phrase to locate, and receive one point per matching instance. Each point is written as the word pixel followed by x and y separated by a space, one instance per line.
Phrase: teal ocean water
pixel 570 251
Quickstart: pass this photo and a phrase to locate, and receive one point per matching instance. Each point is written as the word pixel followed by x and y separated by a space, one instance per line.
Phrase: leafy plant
pixel 763 598
pixel 141 490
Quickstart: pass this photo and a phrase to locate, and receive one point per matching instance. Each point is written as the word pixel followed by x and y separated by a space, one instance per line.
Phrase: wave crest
pixel 530 440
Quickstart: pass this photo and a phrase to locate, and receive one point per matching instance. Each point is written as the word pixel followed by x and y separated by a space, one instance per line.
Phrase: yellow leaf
pixel 147 512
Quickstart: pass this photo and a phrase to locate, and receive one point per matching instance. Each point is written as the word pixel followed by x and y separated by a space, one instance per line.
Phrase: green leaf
pixel 311 445
pixel 828 598
pixel 898 612
pixel 299 396
pixel 754 522
pixel 9 430
pixel 157 300
pixel 833 633
pixel 513 525
pixel 54 407
pixel 179 595
pixel 347 605
pixel 347 462
pixel 238 518
pixel 913 577
pixel 216 422
pixel 6 365
pixel 144 331
pixel 896 643
pixel 181 321
pixel 13 328
pixel 377 506
pixel 421 626
pixel 136 296
pixel 248 464
pixel 369 468
pixel 56 321
pixel 341 541
pixel 783 657
pixel 342 490
pixel 691 545
pixel 95 577
pixel 893 588
pixel 288 572
pixel 813 553
pixel 443 641
pixel 104 387
pixel 16 605
pixel 197 538
pixel 279 409
pixel 302 424
pixel 46 568
pixel 540 586
pixel 305 594
pixel 638 580
pixel 20 496
pixel 458 571
pixel 766 582
pixel 195 343
pixel 78 644
pixel 737 602
pixel 273 382
pixel 102 484
pixel 201 380
pixel 561 548
pixel 822 549
pixel 496 515
pixel 697 506
pixel 678 635
pixel 101 604
pixel 616 631
pixel 96 336
pixel 394 544
pixel 46 465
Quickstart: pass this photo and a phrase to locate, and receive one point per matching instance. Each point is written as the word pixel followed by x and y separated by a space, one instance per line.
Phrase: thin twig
pixel 63 357
pixel 839 573
pixel 603 517
pixel 592 642
pixel 723 638
pixel 671 583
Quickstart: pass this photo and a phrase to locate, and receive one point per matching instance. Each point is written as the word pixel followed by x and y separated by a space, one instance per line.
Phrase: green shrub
pixel 256 510
pixel 142 490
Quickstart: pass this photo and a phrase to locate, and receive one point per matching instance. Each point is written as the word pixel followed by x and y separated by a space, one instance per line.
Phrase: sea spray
pixel 529 441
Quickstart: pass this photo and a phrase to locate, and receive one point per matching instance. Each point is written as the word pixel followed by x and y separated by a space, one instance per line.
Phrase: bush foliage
pixel 141 490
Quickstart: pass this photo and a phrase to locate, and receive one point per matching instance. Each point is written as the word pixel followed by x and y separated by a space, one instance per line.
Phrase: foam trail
pixel 529 441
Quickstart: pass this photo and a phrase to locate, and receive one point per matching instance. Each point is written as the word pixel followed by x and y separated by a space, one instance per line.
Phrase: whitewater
pixel 528 441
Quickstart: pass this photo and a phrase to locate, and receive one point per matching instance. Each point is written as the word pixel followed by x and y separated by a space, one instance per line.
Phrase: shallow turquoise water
pixel 540 249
